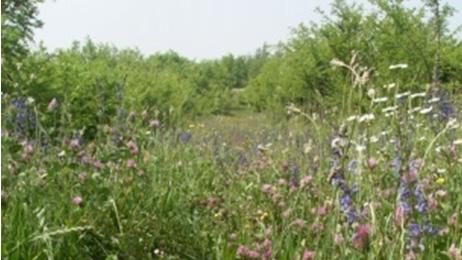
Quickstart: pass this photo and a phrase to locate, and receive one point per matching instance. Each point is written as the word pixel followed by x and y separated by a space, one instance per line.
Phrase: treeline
pixel 95 83
pixel 391 34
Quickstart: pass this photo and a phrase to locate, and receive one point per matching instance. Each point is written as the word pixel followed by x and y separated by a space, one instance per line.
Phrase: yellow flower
pixel 263 216
pixel 217 215
pixel 440 181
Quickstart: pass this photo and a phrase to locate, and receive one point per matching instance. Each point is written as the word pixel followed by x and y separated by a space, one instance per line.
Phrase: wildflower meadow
pixel 344 143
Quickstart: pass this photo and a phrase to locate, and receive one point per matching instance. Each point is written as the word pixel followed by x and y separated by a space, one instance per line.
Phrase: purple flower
pixel 371 163
pixel 267 249
pixel 244 251
pixel 77 200
pixel 414 230
pixel 23 119
pixel 131 164
pixel 293 181
pixel 185 137
pixel 347 209
pixel 298 223
pixel 132 147
pixel 241 159
pixel 74 143
pixel 97 164
pixel 421 202
pixel 427 228
pixel 354 188
pixel 351 216
pixel 345 202
pixel 396 164
pixel 446 110
pixel 308 255
pixel 361 237
pixel 336 180
pixel 403 191
pixel 421 207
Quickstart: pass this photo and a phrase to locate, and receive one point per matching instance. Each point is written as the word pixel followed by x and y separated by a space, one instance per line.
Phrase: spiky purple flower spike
pixel 23 119
pixel 293 179
pixel 337 178
pixel 446 111
pixel 412 207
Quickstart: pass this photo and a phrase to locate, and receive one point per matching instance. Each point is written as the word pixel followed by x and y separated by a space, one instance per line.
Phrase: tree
pixel 19 18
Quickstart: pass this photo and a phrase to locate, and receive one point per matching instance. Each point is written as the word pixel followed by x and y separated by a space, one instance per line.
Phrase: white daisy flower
pixel 371 92
pixel 380 100
pixel 389 109
pixel 389 114
pixel 422 94
pixel 415 109
pixel 426 110
pixel 351 118
pixel 398 66
pixel 389 86
pixel 373 139
pixel 434 100
pixel 366 118
pixel 404 94
pixel 360 148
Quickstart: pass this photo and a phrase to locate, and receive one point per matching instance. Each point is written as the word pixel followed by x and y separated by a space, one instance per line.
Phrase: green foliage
pixel 204 198
pixel 95 83
pixel 392 34
pixel 19 18
pixel 97 162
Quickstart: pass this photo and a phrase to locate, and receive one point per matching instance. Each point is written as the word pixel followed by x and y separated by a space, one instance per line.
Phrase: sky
pixel 197 29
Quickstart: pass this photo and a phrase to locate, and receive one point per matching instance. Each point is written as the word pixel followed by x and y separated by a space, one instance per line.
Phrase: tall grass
pixel 381 181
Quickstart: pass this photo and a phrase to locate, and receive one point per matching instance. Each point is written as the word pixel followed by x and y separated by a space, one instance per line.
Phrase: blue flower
pixel 351 216
pixel 354 188
pixel 345 202
pixel 403 191
pixel 293 174
pixel 406 207
pixel 396 165
pixel 336 180
pixel 427 228
pixel 23 119
pixel 446 110
pixel 353 166
pixel 421 202
pixel 414 230
pixel 241 158
pixel 421 207
pixel 185 136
